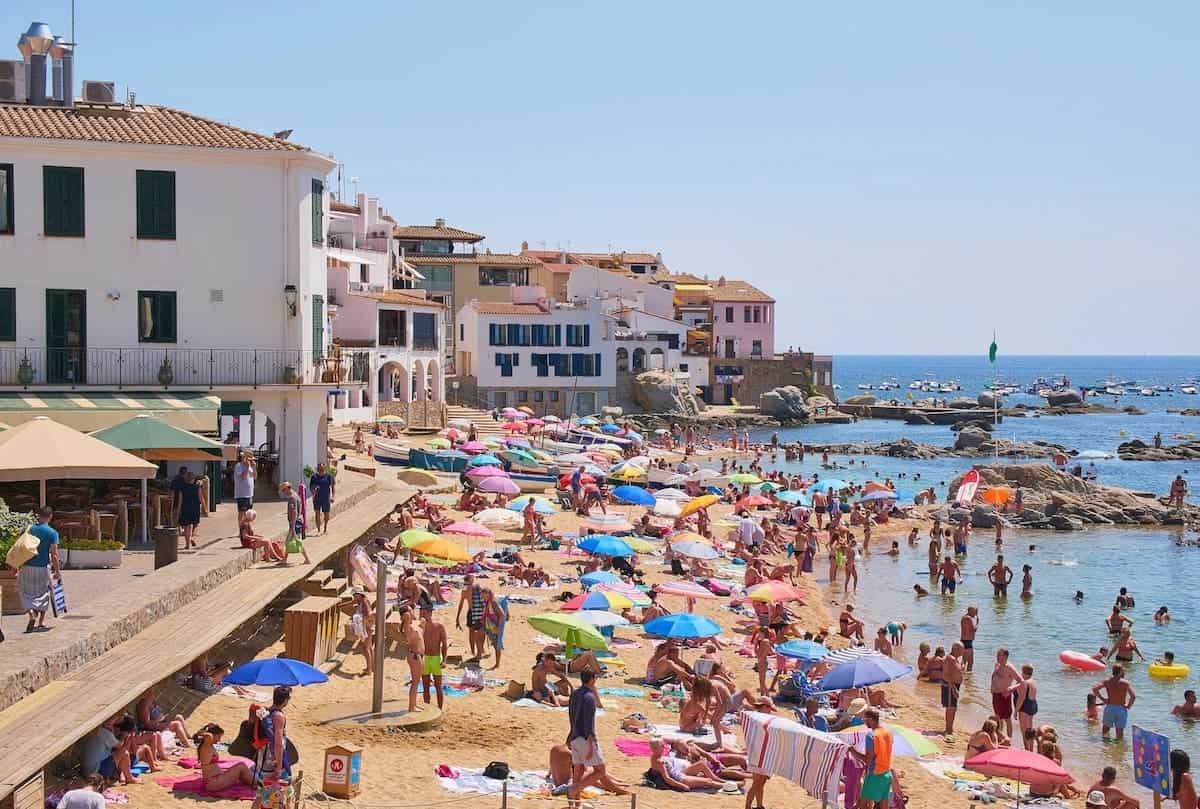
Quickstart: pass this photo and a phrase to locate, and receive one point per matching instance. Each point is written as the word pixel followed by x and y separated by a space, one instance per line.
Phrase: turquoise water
pixel 1099 562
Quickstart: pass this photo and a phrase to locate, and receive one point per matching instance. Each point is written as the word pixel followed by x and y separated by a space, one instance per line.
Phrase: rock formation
pixel 1136 450
pixel 657 392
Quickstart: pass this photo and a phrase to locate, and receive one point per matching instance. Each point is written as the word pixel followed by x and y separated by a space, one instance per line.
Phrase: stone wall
pixel 415 414
pixel 757 376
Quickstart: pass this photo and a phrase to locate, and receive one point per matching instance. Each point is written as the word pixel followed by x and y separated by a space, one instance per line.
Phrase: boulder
pixel 863 399
pixel 1064 398
pixel 1063 522
pixel 971 438
pixel 989 400
pixel 961 403
pixel 916 417
pixel 979 424
pixel 657 392
pixel 813 402
pixel 1136 450
pixel 612 411
pixel 786 402
pixel 984 516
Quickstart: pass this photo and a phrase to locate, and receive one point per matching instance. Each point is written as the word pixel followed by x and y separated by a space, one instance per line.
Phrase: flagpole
pixel 995 402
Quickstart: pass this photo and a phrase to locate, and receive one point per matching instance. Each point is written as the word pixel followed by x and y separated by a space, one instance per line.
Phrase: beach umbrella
pixel 807 650
pixel 704 474
pixel 997 495
pixel 662 431
pixel 833 484
pixel 518 455
pixel 417 477
pixel 611 429
pixel 752 501
pixel 864 671
pixel 474 447
pixel 564 481
pixel 874 486
pixel 414 536
pixel 510 411
pixel 768 487
pixel 667 508
pixel 487 459
pixel 442 548
pixel 276 671
pixel 598 577
pixel 497 518
pixel 570 629
pixel 451 453
pixel 604 545
pixel 794 498
pixel 601 618
pixel 633 495
pixel 551 419
pixel 1022 766
pixel 518 441
pixel 525 409
pixel 535 422
pixel 598 599
pixel 744 478
pixel 695 550
pixel 515 427
pixel 492 441
pixel 539 506
pixel 672 494
pixel 498 485
pixel 640 545
pixel 390 419
pixel 771 591
pixel 635 595
pixel 607 523
pixel 697 503
pixel 476 472
pixel 633 435
pixel 462 424
pixel 587 421
pixel 573 459
pixel 872 497
pixel 438 443
pixel 468 529
pixel 452 433
pixel 689 536
pixel 683 625
pixel 905 741
pixel 685 589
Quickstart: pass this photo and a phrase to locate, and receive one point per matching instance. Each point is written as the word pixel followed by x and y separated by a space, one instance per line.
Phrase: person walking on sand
pixel 1005 680
pixel 876 789
pixel 415 654
pixel 495 619
pixel 472 596
pixel 1000 575
pixel 362 626
pixel 1117 696
pixel 582 741
pixel 952 677
pixel 968 626
pixel 436 649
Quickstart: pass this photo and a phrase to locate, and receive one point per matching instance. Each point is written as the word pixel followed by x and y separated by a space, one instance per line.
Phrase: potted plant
pixel 291 376
pixel 89 554
pixel 25 372
pixel 166 374
pixel 12 525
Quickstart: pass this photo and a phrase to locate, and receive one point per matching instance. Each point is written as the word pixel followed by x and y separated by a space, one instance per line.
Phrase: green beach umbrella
pixel 415 536
pixel 152 439
pixel 570 629
pixel 742 478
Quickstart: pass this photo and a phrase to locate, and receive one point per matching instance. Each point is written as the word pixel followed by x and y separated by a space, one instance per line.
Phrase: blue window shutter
pixel 558 335
pixel 597 356
pixel 587 335
pixel 516 359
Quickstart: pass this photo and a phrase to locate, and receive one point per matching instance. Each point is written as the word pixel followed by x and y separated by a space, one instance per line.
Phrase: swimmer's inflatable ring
pixel 1078 660
pixel 1163 670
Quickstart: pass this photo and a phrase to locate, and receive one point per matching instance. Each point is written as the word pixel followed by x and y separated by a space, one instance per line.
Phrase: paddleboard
pixel 970 484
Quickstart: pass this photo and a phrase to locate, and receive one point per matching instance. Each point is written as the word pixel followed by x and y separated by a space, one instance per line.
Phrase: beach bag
pixel 293 544
pixel 23 549
pixel 58 598
pixel 497 769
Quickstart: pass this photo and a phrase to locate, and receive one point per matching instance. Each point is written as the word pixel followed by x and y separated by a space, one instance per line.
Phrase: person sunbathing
pixel 729 765
pixel 150 718
pixel 215 778
pixel 539 687
pixel 679 774
pixel 584 661
pixel 665 666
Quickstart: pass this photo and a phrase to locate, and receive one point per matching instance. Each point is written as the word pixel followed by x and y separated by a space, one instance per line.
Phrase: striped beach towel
pixel 810 758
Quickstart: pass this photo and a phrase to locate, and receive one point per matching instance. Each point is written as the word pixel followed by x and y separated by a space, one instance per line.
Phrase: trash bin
pixel 166 545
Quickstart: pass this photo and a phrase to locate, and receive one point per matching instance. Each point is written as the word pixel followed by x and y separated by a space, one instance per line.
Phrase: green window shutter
pixel 8 314
pixel 166 308
pixel 62 201
pixel 318 329
pixel 318 212
pixel 155 204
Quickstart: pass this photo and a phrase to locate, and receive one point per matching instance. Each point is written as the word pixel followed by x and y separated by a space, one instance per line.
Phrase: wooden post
pixel 504 795
pixel 380 627
pixel 1157 799
pixel 632 800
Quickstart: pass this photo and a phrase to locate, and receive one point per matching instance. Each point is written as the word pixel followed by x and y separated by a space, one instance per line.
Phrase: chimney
pixel 439 222
pixel 56 70
pixel 562 257
pixel 37 40
pixel 524 246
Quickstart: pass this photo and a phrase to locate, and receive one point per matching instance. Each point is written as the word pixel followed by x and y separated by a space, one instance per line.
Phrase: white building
pixel 146 250
pixel 557 358
pixel 625 290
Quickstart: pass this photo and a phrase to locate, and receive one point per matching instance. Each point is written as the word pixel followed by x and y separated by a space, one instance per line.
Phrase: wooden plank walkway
pixel 37 729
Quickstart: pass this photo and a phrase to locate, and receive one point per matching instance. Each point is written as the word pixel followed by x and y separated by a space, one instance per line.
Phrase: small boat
pixel 1112 390
pixel 915 384
pixel 1148 392
pixel 865 387
pixel 1163 388
pixel 1188 389
pixel 389 451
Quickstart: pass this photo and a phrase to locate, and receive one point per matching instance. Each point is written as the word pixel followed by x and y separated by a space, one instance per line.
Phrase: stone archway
pixel 394 384
pixel 639 360
pixel 435 382
pixel 658 360
pixel 418 382
pixel 622 359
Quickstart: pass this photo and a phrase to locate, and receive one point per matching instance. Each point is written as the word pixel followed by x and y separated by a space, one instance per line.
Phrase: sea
pixel 1097 561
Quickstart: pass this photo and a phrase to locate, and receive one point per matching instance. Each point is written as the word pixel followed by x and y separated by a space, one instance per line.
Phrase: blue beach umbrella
pixel 451 453
pixel 633 436
pixel 587 421
pixel 633 495
pixel 610 429
pixel 826 485
pixel 539 506
pixel 275 671
pixel 599 577
pixel 871 669
pixel 605 545
pixel 683 625
pixel 794 497
pixel 805 650
pixel 484 460
pixel 694 549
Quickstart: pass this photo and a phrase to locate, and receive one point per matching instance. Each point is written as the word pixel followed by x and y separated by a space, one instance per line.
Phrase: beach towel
pixel 625 643
pixel 526 702
pixel 777 746
pixel 622 692
pixel 634 748
pixel 672 732
pixel 192 784
pixel 224 763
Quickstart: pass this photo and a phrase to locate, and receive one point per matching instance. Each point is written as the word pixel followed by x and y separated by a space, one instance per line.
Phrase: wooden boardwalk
pixel 34 731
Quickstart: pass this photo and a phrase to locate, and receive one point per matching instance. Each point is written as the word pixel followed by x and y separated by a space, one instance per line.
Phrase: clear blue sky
pixel 902 177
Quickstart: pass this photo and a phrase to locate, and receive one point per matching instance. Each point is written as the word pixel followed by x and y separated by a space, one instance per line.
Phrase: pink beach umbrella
pixel 486 472
pixel 515 426
pixel 498 485
pixel 474 447
pixel 1023 766
pixel 686 589
pixel 469 529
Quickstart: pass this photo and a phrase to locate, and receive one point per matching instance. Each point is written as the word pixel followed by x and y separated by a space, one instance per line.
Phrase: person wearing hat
pixel 1096 799
pixel 1105 792
pixel 848 716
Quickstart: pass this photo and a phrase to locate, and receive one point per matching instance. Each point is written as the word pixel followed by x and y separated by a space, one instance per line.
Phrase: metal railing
pixel 169 366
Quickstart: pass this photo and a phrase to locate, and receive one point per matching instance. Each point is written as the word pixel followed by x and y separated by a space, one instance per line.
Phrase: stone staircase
pixel 482 419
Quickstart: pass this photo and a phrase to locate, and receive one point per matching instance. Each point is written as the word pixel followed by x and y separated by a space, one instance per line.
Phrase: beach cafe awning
pixel 155 440
pixel 42 449
pixel 88 411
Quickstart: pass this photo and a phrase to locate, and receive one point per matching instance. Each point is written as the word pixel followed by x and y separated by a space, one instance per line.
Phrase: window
pixel 424 330
pixel 318 326
pixel 462 332
pixel 728 314
pixel 757 314
pixel 539 395
pixel 579 336
pixel 502 277
pixel 506 362
pixel 8 314
pixel 155 204
pixel 393 327
pixel 6 198
pixel 756 348
pixel 746 313
pixel 554 396
pixel 434 247
pixel 522 396
pixel 683 366
pixel 437 279
pixel 62 201
pixel 318 212
pixel 540 364
pixel 156 317
pixel 364 273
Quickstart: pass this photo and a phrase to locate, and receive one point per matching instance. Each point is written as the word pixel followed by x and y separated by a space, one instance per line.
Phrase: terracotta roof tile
pixel 435 232
pixel 739 291
pixel 486 259
pixel 341 207
pixel 147 124
pixel 508 308
pixel 398 297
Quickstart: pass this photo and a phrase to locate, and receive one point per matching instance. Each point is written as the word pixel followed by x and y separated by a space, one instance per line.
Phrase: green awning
pixel 236 408
pixel 147 437
pixel 88 411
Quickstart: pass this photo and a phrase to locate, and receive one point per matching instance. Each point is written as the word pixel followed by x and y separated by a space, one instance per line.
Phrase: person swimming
pixel 1079 596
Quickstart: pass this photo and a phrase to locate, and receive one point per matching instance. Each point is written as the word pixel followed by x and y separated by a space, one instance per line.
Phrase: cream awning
pixel 43 449
pixel 89 411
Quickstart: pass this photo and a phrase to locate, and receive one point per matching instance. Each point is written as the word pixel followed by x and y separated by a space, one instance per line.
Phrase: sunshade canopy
pixel 89 410
pixel 155 440
pixel 46 450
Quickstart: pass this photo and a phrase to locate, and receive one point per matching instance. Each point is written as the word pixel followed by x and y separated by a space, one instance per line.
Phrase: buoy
pixel 1123 432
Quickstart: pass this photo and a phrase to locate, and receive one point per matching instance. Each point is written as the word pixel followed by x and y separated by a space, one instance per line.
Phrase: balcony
pixel 350 241
pixel 169 366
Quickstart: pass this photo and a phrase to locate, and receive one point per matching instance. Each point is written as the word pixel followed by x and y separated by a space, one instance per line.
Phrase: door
pixel 728 393
pixel 66 336
pixel 499 399
pixel 585 402
pixel 729 352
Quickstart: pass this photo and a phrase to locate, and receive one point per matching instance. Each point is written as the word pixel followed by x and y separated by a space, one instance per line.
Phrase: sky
pixel 901 177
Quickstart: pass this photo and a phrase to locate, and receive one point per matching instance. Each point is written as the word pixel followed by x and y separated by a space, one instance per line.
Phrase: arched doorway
pixel 435 382
pixel 418 382
pixel 622 359
pixel 658 360
pixel 394 383
pixel 639 359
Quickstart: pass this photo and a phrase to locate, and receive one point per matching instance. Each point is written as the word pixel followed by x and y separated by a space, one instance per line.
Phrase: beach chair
pixel 564 499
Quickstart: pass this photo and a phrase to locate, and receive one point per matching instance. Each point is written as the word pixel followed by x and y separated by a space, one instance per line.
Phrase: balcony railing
pixel 351 241
pixel 168 366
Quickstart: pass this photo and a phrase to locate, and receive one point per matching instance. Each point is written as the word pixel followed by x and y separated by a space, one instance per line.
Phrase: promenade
pixel 137 626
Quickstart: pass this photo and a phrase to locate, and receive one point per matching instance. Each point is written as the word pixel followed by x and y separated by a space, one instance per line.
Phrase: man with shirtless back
pixel 968 625
pixel 1188 709
pixel 436 647
pixel 414 644
pixel 1113 797
pixel 952 677
pixel 1115 622
pixel 935 551
pixel 1117 699
pixel 539 682
pixel 1000 575
pixel 1005 680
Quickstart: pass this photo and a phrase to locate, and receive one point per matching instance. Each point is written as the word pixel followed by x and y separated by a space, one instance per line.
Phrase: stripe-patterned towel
pixel 810 758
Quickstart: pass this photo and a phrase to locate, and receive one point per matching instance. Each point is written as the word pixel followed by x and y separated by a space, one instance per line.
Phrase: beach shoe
pixel 731 788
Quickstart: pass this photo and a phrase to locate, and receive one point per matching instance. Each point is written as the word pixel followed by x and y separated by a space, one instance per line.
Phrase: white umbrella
pixel 599 618
pixel 676 479
pixel 704 474
pixel 461 424
pixel 498 518
pixel 672 494
pixel 551 419
pixel 640 460
pixel 667 508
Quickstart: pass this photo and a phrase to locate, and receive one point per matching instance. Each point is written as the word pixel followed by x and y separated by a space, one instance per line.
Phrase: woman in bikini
pixel 701 705
pixel 415 644
pixel 216 779
pixel 679 774
pixel 981 740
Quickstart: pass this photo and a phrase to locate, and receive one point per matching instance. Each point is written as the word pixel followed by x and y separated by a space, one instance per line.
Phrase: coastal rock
pixel 814 402
pixel 1063 522
pixel 962 403
pixel 971 438
pixel 979 424
pixel 612 411
pixel 657 392
pixel 1190 411
pixel 1133 411
pixel 863 399
pixel 1064 398
pixel 983 516
pixel 916 417
pixel 1136 450
pixel 785 402
pixel 989 400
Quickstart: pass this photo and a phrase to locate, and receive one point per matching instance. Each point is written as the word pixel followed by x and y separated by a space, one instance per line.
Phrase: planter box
pixel 10 598
pixel 91 560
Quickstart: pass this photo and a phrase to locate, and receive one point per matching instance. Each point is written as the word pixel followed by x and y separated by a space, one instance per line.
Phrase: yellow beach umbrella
pixel 689 536
pixel 442 548
pixel 417 477
pixel 640 545
pixel 629 472
pixel 415 536
pixel 526 408
pixel 698 503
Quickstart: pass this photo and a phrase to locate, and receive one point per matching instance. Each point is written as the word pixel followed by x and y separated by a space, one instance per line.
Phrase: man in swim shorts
pixel 950 572
pixel 952 677
pixel 1118 698
pixel 1000 575
pixel 1005 680
pixel 968 625
pixel 436 647
pixel 876 789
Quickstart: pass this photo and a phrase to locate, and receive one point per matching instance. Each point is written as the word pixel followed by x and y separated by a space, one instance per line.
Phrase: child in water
pixel 895 551
pixel 920 591
pixel 1092 711
pixel 1161 616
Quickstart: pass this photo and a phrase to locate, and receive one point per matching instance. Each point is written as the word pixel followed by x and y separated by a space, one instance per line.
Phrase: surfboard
pixel 970 484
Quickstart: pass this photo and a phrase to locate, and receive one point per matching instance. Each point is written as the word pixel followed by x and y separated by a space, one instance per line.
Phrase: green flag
pixel 992 351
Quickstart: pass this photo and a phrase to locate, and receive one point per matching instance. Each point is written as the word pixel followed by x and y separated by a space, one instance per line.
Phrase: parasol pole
pixel 42 491
pixel 381 572
pixel 145 513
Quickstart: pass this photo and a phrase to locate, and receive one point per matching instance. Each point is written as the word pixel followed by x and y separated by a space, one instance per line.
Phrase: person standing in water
pixel 950 572
pixel 968 625
pixel 1117 695
pixel 1000 575
pixel 1026 581
pixel 935 551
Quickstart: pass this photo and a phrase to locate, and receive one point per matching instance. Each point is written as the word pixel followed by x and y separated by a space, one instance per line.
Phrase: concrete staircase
pixel 482 419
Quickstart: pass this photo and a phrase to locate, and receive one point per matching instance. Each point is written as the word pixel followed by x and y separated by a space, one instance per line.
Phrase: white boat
pixel 915 384
pixel 1188 389
pixel 1113 391
pixel 1148 392
pixel 388 450
pixel 865 387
